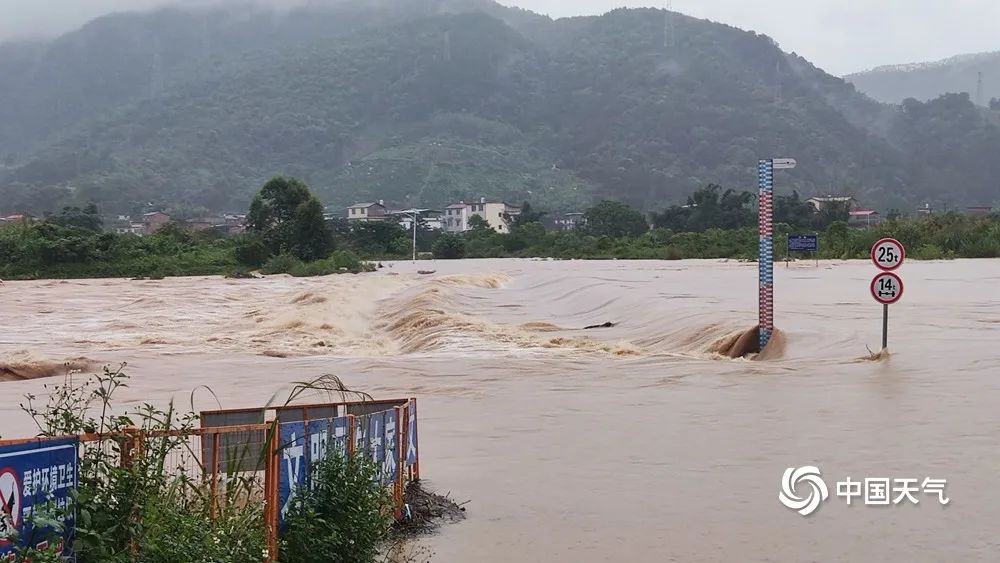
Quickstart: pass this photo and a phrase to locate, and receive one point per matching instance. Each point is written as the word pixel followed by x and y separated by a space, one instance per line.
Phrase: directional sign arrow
pixel 783 163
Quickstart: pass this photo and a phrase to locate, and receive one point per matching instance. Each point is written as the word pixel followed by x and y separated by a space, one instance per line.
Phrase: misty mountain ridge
pixel 924 81
pixel 428 101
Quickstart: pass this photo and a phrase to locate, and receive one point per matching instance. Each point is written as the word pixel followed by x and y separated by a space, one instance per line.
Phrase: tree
pixel 87 218
pixel 310 240
pixel 289 219
pixel 380 237
pixel 527 215
pixel 995 104
pixel 793 211
pixel 449 246
pixel 832 212
pixel 478 225
pixel 614 219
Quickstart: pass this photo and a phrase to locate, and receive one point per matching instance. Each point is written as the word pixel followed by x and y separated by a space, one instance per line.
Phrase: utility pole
pixel 413 219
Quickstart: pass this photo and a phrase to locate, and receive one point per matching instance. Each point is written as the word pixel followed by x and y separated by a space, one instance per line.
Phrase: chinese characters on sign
pixel 884 491
pixel 34 476
pixel 803 490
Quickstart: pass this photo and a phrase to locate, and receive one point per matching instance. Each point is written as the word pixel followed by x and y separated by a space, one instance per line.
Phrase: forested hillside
pixel 926 81
pixel 422 102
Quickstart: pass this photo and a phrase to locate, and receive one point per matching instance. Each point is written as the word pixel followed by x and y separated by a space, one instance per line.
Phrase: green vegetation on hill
pixel 421 103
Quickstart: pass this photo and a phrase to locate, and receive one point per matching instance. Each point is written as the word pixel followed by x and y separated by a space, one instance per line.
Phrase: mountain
pixel 925 81
pixel 421 102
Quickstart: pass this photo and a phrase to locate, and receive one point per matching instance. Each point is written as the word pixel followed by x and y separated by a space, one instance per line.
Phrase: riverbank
pixel 48 251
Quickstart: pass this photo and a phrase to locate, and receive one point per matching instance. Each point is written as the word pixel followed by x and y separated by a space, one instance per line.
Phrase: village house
pixel 822 202
pixel 20 219
pixel 456 217
pixel 497 214
pixel 368 211
pixel 432 218
pixel 154 221
pixel 124 225
pixel 864 218
pixel 568 221
pixel 205 223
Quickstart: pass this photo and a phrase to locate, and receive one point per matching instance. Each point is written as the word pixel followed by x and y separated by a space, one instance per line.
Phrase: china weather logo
pixel 802 489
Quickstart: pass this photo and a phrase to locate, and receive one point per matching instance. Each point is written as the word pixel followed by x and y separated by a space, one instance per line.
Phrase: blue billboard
pixel 803 243
pixel 411 446
pixel 303 443
pixel 35 480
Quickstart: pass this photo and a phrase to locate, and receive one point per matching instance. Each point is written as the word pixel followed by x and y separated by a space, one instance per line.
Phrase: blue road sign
pixel 35 478
pixel 803 243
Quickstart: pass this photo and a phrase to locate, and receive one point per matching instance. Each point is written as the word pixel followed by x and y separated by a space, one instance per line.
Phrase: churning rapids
pixel 637 442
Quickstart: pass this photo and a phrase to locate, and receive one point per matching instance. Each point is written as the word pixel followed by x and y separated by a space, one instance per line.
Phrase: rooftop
pixel 833 197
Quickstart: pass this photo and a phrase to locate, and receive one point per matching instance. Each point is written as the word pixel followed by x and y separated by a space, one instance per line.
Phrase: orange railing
pixel 204 451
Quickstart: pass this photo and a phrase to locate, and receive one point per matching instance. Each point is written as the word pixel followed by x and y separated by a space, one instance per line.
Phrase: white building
pixel 431 218
pixel 456 217
pixel 497 213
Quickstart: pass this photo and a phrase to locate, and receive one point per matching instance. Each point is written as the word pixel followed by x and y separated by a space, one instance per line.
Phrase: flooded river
pixel 638 442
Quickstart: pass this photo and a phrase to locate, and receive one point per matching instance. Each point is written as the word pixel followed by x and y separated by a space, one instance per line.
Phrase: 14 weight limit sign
pixel 887 288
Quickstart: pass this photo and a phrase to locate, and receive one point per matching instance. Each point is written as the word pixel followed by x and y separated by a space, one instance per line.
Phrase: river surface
pixel 637 442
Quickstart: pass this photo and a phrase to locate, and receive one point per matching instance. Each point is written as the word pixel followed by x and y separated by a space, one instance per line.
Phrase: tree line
pixel 287 233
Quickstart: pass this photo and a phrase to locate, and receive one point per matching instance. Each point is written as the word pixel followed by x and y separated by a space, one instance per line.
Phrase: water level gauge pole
pixel 765 259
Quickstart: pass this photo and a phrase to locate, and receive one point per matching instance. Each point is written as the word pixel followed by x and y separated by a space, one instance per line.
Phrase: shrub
pixel 342 517
pixel 281 264
pixel 149 509
pixel 929 252
pixel 252 252
pixel 449 247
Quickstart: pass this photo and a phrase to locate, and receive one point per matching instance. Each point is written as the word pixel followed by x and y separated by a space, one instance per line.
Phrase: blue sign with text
pixel 803 243
pixel 304 443
pixel 35 480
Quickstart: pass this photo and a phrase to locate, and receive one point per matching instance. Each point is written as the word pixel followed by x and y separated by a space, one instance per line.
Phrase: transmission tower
pixel 979 89
pixel 156 81
pixel 669 38
pixel 777 82
pixel 447 46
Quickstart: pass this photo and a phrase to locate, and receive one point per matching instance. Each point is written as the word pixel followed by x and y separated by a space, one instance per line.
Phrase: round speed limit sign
pixel 887 288
pixel 888 254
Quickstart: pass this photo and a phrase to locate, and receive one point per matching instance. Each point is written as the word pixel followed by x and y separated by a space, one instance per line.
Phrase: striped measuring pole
pixel 765 184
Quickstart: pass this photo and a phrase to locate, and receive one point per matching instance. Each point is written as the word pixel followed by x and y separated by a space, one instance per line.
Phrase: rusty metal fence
pixel 249 445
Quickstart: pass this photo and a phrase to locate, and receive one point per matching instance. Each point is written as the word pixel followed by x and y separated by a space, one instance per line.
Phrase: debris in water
pixel 424 511
pixel 426 272
pixel 608 324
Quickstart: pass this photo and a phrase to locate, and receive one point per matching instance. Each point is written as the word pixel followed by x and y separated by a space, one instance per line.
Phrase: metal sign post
pixel 887 287
pixel 765 261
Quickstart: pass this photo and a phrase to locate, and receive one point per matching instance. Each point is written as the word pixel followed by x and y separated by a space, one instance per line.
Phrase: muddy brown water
pixel 631 443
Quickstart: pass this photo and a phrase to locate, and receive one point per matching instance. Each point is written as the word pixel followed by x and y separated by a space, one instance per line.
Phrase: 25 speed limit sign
pixel 887 288
pixel 888 254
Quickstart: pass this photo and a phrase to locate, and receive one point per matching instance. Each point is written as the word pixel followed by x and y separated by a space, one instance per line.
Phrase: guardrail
pixel 271 449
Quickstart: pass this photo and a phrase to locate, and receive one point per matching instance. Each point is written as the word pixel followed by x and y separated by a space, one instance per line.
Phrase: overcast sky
pixel 840 36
